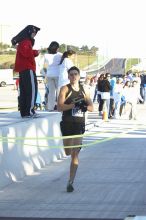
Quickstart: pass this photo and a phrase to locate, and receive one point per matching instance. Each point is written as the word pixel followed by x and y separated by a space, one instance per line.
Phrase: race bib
pixel 77 112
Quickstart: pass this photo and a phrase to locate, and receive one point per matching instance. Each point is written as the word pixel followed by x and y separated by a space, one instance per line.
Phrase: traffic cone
pixel 104 116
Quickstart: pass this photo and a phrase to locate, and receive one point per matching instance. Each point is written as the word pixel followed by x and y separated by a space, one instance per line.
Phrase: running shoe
pixel 27 116
pixel 70 187
pixel 35 115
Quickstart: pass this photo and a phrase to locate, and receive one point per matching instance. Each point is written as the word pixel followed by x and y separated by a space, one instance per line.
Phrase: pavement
pixel 110 181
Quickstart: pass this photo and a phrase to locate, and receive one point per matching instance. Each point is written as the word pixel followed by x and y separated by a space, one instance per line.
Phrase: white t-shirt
pixel 39 64
pixel 63 74
pixel 52 63
pixel 117 92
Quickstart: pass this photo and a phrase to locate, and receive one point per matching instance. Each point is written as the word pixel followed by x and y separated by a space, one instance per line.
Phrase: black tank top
pixel 74 114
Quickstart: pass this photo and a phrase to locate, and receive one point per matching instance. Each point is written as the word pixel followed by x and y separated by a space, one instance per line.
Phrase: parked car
pixel 6 77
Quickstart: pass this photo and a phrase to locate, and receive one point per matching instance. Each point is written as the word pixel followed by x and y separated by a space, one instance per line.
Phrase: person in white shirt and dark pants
pixel 51 63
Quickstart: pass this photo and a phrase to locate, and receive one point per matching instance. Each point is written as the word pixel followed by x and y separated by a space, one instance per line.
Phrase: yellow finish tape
pixel 57 137
pixel 6 139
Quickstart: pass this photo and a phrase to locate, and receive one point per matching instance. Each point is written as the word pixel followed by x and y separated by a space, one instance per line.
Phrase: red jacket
pixel 25 57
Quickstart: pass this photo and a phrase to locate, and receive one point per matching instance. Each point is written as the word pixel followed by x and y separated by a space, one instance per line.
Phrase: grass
pixel 130 63
pixel 7 58
pixel 80 61
pixel 6 61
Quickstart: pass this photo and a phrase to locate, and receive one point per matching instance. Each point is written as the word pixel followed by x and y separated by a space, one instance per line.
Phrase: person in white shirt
pixel 117 94
pixel 135 96
pixel 65 64
pixel 131 94
pixel 51 63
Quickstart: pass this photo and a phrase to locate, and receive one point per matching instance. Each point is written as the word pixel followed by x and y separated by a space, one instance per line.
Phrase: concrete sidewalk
pixel 110 182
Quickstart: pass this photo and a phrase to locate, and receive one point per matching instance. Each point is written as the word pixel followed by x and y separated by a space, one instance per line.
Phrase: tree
pixel 84 48
pixel 94 50
pixel 62 48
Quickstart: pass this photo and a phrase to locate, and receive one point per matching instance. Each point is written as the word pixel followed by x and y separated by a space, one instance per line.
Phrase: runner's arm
pixel 61 99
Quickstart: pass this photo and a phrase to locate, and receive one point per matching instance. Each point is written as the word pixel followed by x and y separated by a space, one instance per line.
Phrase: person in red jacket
pixel 26 66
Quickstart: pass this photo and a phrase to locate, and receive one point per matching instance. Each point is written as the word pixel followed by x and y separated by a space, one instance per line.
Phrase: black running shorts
pixel 71 128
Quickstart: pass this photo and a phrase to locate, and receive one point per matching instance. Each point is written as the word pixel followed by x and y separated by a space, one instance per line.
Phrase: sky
pixel 116 27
